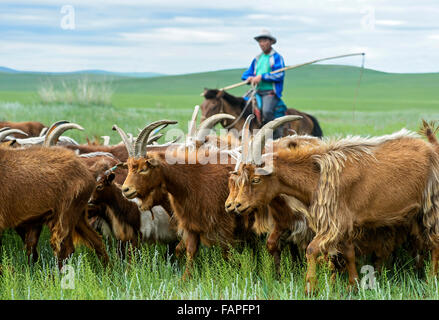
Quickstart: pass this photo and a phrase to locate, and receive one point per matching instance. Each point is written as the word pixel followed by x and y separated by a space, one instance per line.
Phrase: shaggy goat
pixel 50 186
pixel 30 128
pixel 197 191
pixel 351 185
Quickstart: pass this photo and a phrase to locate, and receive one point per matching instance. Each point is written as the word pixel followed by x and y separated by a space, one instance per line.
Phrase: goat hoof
pixel 186 276
pixel 310 286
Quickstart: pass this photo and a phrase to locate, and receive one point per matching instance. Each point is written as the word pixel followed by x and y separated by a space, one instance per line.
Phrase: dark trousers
pixel 269 102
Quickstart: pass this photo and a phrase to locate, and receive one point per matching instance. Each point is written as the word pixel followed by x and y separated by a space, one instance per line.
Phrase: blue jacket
pixel 276 62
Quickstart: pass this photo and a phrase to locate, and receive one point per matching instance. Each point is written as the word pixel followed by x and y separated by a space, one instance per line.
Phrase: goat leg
pixel 273 247
pixel 349 254
pixel 192 241
pixel 31 240
pixel 312 252
pixel 180 248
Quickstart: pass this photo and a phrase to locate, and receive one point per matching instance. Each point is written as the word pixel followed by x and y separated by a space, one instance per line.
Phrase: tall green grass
pixel 154 274
pixel 387 103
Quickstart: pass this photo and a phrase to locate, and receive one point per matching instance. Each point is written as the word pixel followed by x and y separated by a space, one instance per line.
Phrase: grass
pixel 153 274
pixel 386 103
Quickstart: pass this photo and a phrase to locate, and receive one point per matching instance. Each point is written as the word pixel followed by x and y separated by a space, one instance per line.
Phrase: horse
pixel 219 101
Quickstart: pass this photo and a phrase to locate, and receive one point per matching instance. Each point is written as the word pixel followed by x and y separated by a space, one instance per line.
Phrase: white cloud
pixel 389 22
pixel 179 35
pixel 176 36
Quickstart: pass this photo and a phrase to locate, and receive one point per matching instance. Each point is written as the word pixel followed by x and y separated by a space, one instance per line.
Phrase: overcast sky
pixel 188 36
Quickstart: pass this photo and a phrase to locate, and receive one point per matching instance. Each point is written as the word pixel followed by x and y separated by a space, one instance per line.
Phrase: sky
pixel 177 37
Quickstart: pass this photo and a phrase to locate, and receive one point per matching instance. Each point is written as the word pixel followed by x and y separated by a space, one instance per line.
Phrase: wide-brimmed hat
pixel 265 34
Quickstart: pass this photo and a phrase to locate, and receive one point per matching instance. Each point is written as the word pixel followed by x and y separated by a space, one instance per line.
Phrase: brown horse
pixel 219 101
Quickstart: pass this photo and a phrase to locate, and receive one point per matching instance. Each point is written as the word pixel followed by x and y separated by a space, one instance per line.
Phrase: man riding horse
pixel 269 86
pixel 268 94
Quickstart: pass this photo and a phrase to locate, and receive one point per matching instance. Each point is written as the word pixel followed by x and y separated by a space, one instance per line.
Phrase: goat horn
pixel 167 144
pixel 192 125
pixel 155 138
pixel 106 140
pixel 7 132
pixel 125 140
pixel 142 139
pixel 52 137
pixel 245 139
pixel 209 123
pixel 259 139
pixel 54 125
pixel 43 132
pixel 4 128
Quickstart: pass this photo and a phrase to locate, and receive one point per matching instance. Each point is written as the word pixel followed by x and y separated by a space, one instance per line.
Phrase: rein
pixel 252 93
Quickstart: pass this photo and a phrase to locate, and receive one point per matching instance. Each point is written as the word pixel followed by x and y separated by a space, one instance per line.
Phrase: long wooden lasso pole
pixel 236 85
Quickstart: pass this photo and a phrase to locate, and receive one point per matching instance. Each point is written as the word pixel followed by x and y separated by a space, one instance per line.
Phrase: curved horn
pixel 4 128
pixel 7 132
pixel 259 139
pixel 54 125
pixel 125 140
pixel 245 141
pixel 43 132
pixel 209 123
pixel 106 140
pixel 155 138
pixel 193 123
pixel 246 138
pixel 52 137
pixel 142 139
pixel 167 144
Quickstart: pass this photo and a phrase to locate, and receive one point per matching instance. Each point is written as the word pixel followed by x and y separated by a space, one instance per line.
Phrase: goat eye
pixel 256 180
pixel 99 187
pixel 143 170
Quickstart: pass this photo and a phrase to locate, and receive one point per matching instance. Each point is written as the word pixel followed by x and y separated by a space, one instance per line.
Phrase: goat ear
pixel 153 162
pixel 292 145
pixel 10 143
pixel 220 94
pixel 111 177
pixel 316 166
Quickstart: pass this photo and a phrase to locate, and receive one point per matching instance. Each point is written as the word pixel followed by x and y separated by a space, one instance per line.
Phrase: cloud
pixel 179 35
pixel 189 36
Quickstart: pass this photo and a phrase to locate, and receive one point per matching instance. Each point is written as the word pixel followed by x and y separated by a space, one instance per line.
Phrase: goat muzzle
pixel 128 192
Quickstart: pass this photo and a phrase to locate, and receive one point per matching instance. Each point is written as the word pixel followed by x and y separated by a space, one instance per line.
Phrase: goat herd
pixel 335 198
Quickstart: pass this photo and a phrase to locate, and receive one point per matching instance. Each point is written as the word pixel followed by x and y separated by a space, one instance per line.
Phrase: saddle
pixel 279 111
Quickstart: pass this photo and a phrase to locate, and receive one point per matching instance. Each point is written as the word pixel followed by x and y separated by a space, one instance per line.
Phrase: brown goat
pixel 50 186
pixel 350 185
pixel 118 150
pixel 32 128
pixel 197 192
pixel 127 221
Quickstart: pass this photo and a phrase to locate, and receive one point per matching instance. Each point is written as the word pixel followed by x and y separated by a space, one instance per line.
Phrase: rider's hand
pixel 249 79
pixel 256 80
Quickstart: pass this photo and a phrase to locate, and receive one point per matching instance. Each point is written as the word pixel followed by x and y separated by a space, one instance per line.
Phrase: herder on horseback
pixel 263 100
pixel 269 86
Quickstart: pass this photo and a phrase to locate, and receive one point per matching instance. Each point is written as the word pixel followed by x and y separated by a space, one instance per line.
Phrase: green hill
pixel 311 87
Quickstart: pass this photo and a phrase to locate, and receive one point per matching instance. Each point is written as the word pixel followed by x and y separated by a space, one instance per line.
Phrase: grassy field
pixel 386 103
